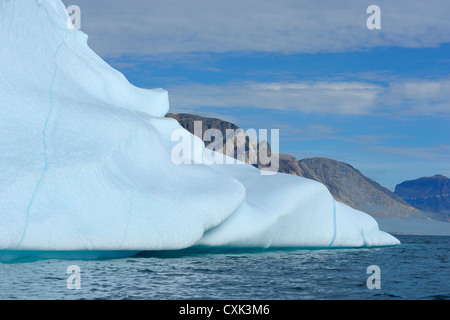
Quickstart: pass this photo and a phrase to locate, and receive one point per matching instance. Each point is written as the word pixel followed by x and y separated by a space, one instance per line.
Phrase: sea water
pixel 416 269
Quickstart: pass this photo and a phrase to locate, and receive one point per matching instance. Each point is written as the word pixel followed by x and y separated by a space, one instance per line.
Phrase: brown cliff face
pixel 227 146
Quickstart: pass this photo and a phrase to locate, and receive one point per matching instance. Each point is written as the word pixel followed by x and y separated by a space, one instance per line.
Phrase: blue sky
pixel 376 99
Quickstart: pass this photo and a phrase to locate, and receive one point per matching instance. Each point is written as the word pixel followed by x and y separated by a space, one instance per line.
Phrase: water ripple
pixel 417 269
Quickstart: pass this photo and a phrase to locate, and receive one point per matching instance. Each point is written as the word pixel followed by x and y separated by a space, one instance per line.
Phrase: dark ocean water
pixel 417 269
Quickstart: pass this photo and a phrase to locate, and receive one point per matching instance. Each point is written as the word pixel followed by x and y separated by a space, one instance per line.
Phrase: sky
pixel 377 99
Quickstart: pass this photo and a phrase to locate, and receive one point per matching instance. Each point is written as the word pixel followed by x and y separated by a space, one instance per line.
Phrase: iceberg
pixel 85 162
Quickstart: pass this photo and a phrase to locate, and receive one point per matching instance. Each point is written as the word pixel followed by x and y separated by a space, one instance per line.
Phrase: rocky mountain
pixel 346 184
pixel 235 142
pixel 187 121
pixel 350 186
pixel 430 194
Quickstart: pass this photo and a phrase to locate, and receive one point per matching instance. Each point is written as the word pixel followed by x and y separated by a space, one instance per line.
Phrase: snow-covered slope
pixel 85 161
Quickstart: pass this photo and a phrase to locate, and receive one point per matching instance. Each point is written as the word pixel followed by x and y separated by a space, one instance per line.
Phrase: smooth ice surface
pixel 85 161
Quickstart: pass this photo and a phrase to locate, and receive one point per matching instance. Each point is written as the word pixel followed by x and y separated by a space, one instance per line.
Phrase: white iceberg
pixel 85 162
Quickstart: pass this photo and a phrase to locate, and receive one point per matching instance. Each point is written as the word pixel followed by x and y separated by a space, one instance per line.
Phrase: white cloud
pixel 319 97
pixel 409 97
pixel 159 27
pixel 417 97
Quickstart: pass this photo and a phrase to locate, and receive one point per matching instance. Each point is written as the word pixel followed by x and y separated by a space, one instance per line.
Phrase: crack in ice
pixel 335 225
pixel 44 143
pixel 130 210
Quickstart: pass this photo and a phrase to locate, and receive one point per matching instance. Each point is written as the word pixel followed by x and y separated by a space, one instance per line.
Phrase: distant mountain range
pixel 429 194
pixel 426 197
